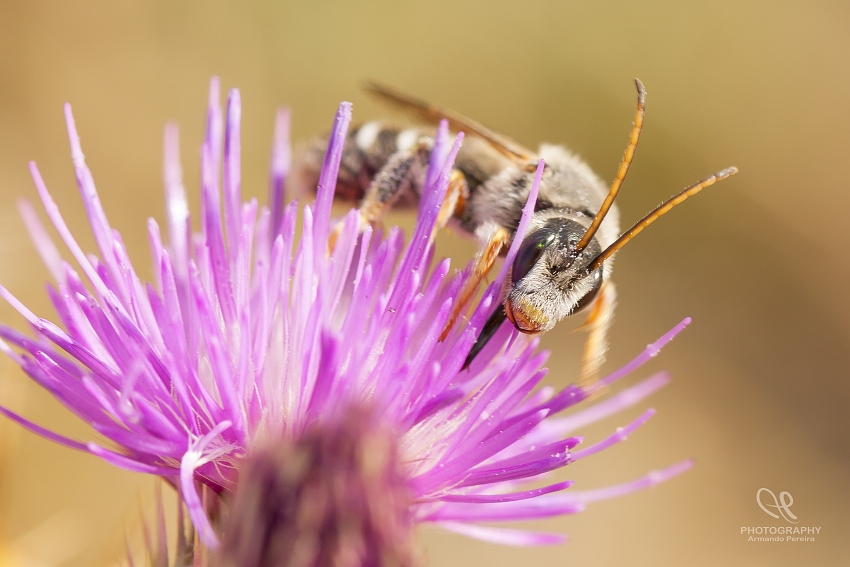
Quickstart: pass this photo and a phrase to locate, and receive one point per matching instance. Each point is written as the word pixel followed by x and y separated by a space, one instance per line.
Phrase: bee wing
pixel 433 114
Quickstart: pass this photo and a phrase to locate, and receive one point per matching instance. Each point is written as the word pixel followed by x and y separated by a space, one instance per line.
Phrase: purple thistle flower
pixel 242 341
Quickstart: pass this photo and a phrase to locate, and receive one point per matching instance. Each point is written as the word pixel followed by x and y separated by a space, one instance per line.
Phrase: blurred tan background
pixel 761 390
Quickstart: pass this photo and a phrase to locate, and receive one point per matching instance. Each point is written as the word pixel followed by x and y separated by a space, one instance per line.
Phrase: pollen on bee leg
pixel 483 263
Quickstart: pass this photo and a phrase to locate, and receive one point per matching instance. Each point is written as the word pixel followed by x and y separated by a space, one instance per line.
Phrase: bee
pixel 563 265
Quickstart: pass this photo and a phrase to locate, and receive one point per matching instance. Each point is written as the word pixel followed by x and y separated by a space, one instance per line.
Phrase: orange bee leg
pixel 372 210
pixel 454 201
pixel 483 263
pixel 597 324
pixel 398 178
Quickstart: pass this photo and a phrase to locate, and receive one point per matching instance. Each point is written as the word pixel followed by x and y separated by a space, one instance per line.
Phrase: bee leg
pixel 483 262
pixel 399 182
pixel 454 201
pixel 598 322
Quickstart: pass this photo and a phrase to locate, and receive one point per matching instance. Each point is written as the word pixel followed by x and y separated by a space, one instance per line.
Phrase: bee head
pixel 560 265
pixel 549 276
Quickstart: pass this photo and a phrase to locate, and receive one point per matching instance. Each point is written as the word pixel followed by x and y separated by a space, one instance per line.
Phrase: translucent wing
pixel 433 114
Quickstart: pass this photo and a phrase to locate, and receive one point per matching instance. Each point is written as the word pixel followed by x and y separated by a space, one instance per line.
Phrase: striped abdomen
pixel 367 150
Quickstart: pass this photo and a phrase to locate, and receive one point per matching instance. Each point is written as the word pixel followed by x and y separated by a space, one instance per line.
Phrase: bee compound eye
pixel 529 252
pixel 596 281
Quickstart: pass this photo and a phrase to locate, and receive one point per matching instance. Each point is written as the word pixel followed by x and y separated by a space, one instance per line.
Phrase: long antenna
pixel 657 213
pixel 621 173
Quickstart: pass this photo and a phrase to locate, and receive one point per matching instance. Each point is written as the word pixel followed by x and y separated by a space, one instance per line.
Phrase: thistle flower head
pixel 251 342
pixel 335 496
